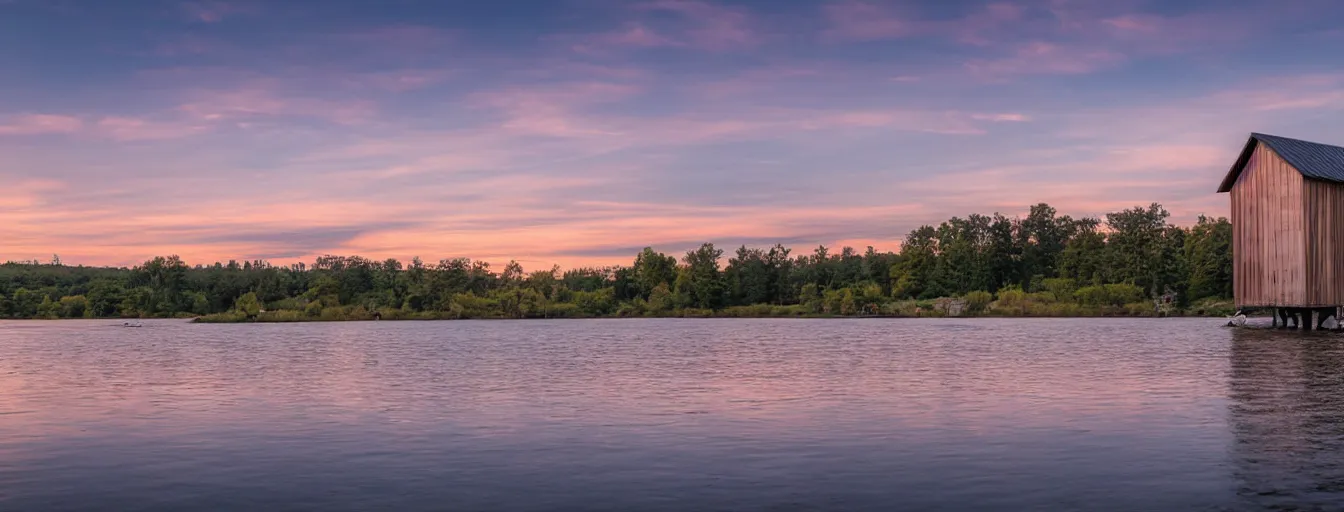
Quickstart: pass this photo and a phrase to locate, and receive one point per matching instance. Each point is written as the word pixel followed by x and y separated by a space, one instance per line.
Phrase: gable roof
pixel 1314 161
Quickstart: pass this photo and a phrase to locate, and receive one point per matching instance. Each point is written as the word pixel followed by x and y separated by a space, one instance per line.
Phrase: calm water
pixel 681 415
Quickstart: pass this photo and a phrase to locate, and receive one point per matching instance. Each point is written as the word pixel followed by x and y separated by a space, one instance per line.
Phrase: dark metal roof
pixel 1314 161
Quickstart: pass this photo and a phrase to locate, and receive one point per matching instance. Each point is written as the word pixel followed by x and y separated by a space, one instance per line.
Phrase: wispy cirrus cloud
pixel 867 21
pixel 710 26
pixel 133 129
pixel 1044 58
pixel 39 124
pixel 260 101
pixel 216 11
pixel 687 24
pixel 592 129
pixel 631 35
pixel 404 37
pixel 873 21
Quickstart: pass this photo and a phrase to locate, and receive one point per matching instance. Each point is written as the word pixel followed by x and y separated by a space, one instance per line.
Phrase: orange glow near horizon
pixel 252 132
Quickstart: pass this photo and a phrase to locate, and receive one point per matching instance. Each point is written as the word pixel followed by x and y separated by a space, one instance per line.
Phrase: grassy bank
pixel 1027 307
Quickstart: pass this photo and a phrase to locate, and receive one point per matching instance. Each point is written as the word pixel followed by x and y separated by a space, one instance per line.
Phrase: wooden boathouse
pixel 1288 228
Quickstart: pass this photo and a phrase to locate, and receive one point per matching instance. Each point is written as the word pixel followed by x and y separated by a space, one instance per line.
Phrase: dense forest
pixel 1134 262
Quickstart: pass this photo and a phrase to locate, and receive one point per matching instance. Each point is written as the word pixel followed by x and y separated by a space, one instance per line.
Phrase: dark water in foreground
pixel 680 415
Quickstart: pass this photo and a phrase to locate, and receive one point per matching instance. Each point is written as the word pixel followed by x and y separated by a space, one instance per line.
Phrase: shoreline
pixel 204 320
pixel 232 319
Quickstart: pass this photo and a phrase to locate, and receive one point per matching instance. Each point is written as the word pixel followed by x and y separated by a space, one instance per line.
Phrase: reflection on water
pixel 1287 413
pixel 669 415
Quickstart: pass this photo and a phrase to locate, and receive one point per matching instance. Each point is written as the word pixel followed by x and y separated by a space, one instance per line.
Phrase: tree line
pixel 1043 263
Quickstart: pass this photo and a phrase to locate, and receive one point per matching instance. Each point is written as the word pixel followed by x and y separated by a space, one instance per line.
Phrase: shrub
pixel 248 304
pixel 284 315
pixel 1041 297
pixel 1117 295
pixel 1124 293
pixel 563 310
pixel 1213 307
pixel 393 314
pixel 1139 309
pixel 1060 288
pixel 73 306
pixel 294 303
pixel 977 301
pixel 1012 296
pixel 596 303
pixel 1091 296
pixel 631 309
pixel 753 311
pixel 223 318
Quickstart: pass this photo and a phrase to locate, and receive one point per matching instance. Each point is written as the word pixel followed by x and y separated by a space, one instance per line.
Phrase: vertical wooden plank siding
pixel 1270 233
pixel 1324 203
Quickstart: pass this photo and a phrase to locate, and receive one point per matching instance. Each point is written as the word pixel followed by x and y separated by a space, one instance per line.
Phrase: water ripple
pixel 1043 414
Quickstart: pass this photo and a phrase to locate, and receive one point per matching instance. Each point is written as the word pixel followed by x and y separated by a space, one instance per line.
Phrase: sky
pixel 577 132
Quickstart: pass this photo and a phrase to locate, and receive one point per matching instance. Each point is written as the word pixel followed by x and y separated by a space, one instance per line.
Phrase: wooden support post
pixel 1273 318
pixel 1306 318
pixel 1282 313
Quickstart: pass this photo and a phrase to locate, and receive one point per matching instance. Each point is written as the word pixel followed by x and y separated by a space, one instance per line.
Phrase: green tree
pixel 73 306
pixel 1085 256
pixel 26 303
pixel 1208 251
pixel 1136 246
pixel 651 269
pixel 660 299
pixel 704 282
pixel 48 308
pixel 915 276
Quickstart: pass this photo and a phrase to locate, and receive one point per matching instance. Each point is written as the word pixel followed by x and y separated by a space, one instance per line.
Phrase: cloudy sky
pixel 576 132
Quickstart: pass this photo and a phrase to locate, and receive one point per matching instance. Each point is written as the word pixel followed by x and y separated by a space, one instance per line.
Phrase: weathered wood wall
pixel 1269 233
pixel 1323 204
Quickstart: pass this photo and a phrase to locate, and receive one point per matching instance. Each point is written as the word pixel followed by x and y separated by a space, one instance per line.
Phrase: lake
pixel 670 414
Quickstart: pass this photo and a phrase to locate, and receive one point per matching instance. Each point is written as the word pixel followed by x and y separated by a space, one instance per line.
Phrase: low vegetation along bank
pixel 1014 303
pixel 1132 263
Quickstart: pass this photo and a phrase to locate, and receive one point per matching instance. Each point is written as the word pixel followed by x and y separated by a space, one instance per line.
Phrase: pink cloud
pixel 1223 117
pixel 189 45
pixel 1315 91
pixel 554 110
pixel 694 24
pixel 260 100
pixel 1134 23
pixel 633 35
pixel 711 27
pixel 944 122
pixel 572 70
pixel 863 21
pixel 39 124
pixel 397 81
pixel 1010 118
pixel 986 26
pixel 405 38
pixel 1119 25
pixel 1045 58
pixel 760 80
pixel 565 111
pixel 26 193
pixel 866 21
pixel 214 11
pixel 131 128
